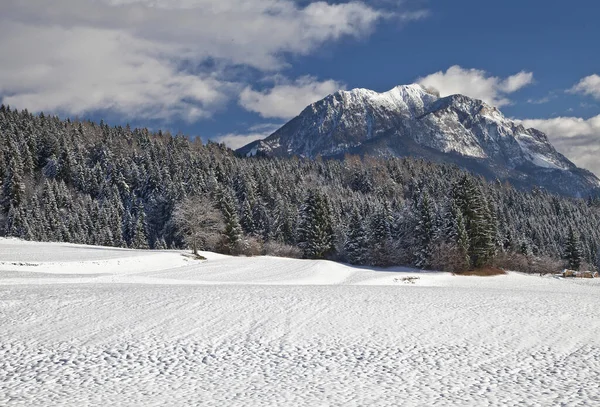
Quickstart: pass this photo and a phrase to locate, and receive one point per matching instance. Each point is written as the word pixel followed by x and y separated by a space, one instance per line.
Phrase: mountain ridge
pixel 410 120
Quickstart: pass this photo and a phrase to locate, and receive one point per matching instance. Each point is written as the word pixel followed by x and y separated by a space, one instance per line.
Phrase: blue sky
pixel 234 70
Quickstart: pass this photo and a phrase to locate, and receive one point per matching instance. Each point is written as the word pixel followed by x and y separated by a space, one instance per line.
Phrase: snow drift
pixel 88 325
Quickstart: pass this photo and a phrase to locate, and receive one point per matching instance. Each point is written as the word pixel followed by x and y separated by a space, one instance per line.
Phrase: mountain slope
pixel 411 121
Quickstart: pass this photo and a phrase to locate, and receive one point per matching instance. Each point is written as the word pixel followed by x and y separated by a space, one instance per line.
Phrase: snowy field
pixel 83 326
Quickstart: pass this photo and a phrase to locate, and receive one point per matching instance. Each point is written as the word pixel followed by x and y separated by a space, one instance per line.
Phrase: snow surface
pixel 85 325
pixel 528 144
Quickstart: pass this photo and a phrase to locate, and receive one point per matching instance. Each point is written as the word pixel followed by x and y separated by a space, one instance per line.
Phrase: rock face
pixel 412 121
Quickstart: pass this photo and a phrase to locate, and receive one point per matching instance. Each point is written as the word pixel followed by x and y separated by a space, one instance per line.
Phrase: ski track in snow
pixel 85 325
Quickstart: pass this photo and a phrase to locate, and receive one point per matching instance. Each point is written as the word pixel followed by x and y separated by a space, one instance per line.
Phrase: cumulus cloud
pixel 576 138
pixel 590 86
pixel 143 58
pixel 515 82
pixel 286 100
pixel 476 83
pixel 94 69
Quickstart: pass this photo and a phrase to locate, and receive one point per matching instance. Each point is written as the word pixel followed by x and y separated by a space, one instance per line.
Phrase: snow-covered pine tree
pixel 140 237
pixel 13 187
pixel 356 244
pixel 457 235
pixel 491 221
pixel 424 232
pixel 246 218
pixel 287 217
pixel 573 250
pixel 15 222
pixel 315 230
pixel 462 240
pixel 52 217
pixel 478 221
pixel 232 233
pixel 262 220
pixel 380 236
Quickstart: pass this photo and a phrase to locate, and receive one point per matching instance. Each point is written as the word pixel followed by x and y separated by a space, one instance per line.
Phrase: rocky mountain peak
pixel 410 120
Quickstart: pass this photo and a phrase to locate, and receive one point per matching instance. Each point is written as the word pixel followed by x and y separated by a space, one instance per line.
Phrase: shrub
pixel 247 246
pixel 487 271
pixel 528 264
pixel 281 250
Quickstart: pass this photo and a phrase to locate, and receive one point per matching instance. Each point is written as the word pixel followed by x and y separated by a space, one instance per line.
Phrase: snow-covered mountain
pixel 412 121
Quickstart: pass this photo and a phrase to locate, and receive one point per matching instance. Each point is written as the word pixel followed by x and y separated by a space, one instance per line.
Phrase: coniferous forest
pixel 90 183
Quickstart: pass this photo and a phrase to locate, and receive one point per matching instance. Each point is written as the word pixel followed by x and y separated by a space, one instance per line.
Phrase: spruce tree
pixel 315 229
pixel 140 237
pixel 479 223
pixel 380 237
pixel 456 234
pixel 52 218
pixel 232 233
pixel 573 250
pixel 246 218
pixel 14 222
pixel 424 233
pixel 287 216
pixel 13 187
pixel 356 244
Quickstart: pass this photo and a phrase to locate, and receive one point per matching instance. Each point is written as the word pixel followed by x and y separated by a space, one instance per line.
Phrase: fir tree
pixel 380 236
pixel 455 234
pixel 13 187
pixel 140 238
pixel 315 230
pixel 246 218
pixel 573 253
pixel 462 240
pixel 52 218
pixel 232 233
pixel 424 233
pixel 478 222
pixel 356 244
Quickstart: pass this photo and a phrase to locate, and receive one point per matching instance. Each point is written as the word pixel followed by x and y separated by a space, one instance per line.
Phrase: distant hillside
pixel 90 183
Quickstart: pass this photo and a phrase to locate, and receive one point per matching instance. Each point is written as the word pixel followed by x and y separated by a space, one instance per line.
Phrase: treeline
pixel 90 183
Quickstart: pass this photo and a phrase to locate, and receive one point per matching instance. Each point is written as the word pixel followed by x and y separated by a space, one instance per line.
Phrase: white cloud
pixel 476 83
pixel 567 127
pixel 541 101
pixel 515 82
pixel 96 69
pixel 590 86
pixel 288 99
pixel 577 138
pixel 129 55
pixel 237 140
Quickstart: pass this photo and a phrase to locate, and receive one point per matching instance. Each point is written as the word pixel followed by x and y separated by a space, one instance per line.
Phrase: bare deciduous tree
pixel 200 221
pixel 448 257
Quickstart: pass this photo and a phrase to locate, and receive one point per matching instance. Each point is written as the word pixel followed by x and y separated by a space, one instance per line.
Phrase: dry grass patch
pixel 407 280
pixel 193 256
pixel 482 272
